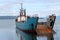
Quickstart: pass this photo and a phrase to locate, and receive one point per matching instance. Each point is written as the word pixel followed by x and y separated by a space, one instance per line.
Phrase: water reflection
pixel 50 37
pixel 26 36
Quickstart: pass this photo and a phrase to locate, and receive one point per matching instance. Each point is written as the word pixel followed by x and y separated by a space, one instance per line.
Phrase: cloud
pixel 11 7
pixel 39 1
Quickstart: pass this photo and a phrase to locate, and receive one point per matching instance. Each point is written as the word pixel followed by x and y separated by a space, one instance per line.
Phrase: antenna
pixel 21 6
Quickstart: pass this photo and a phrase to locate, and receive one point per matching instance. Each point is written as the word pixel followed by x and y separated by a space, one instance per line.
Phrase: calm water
pixel 7 30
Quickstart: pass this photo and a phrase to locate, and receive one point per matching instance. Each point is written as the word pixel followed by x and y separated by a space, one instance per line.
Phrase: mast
pixel 22 11
pixel 21 6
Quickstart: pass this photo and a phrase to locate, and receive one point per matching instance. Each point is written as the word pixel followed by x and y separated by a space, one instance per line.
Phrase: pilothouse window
pixel 18 19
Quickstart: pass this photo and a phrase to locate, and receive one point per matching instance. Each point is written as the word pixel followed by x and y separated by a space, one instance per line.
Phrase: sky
pixel 41 7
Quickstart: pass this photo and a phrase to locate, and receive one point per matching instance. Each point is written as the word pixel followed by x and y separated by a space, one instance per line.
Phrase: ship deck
pixel 44 30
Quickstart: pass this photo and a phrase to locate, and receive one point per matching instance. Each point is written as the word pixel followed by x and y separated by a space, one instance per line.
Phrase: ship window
pixel 18 19
pixel 23 18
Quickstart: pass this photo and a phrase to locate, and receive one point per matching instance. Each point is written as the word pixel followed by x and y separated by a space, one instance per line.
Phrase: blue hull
pixel 28 25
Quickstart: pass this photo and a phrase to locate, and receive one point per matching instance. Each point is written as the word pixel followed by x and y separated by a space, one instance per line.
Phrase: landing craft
pixel 28 26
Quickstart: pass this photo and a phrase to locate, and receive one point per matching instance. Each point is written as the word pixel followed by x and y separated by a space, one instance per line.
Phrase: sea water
pixel 8 30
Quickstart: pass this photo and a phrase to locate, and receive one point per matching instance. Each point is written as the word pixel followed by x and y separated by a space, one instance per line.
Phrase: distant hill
pixel 13 17
pixel 58 17
pixel 7 17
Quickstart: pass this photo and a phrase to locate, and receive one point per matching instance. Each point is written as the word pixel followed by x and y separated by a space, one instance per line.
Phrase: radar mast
pixel 22 11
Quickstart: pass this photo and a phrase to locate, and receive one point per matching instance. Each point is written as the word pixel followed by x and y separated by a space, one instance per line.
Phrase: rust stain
pixel 44 29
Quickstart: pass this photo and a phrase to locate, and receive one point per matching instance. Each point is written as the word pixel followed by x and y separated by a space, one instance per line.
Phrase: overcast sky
pixel 40 7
